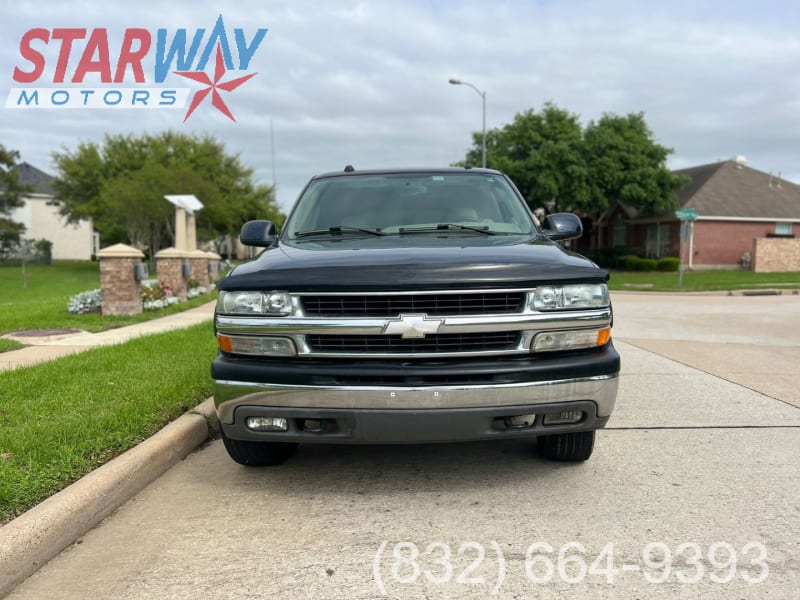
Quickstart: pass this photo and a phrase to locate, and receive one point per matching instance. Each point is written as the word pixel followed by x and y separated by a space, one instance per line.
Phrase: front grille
pixel 443 342
pixel 419 380
pixel 431 304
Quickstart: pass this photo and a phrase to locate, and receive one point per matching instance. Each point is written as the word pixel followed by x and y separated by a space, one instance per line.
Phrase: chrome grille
pixel 448 342
pixel 391 305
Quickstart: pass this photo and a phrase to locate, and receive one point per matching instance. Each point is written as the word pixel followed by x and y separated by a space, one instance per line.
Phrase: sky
pixel 366 82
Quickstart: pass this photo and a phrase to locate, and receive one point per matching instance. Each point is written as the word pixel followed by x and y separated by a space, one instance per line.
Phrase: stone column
pixel 120 290
pixel 214 266
pixel 169 269
pixel 199 261
pixel 191 233
pixel 180 228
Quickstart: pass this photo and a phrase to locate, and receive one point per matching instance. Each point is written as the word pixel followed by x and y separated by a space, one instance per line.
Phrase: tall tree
pixel 11 193
pixel 543 155
pixel 122 182
pixel 626 164
pixel 559 165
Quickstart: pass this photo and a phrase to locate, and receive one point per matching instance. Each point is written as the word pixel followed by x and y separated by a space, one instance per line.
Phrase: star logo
pixel 412 326
pixel 213 87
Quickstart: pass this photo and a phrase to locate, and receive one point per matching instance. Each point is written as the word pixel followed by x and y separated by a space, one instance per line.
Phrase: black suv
pixel 406 306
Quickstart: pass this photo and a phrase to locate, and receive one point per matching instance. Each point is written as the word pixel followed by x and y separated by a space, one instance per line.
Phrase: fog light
pixel 314 425
pixel 563 417
pixel 520 421
pixel 267 423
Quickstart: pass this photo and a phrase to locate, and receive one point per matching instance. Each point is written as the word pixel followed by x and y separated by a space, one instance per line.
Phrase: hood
pixel 430 262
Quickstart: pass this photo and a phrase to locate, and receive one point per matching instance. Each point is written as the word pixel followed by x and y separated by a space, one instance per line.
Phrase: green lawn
pixel 43 305
pixel 62 419
pixel 695 281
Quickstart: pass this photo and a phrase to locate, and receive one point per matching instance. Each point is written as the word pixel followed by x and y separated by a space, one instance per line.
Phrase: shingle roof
pixel 42 182
pixel 731 189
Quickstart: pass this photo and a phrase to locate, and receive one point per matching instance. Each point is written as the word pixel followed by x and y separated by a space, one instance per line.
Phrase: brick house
pixel 736 205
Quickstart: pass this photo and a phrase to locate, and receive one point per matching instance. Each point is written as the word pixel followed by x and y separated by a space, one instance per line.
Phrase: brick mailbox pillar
pixel 214 273
pixel 199 261
pixel 121 289
pixel 170 270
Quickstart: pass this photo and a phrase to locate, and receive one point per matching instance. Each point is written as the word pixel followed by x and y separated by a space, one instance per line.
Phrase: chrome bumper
pixel 229 395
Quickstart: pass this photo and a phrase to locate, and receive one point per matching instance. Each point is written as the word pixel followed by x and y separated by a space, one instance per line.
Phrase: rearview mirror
pixel 562 226
pixel 258 233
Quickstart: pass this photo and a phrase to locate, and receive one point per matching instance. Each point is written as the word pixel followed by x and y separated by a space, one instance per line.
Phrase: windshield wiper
pixel 448 226
pixel 336 229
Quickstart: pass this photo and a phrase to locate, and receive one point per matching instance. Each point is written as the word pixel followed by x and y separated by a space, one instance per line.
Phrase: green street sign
pixel 687 214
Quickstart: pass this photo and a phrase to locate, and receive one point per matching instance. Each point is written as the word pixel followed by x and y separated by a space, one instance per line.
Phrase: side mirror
pixel 258 233
pixel 562 226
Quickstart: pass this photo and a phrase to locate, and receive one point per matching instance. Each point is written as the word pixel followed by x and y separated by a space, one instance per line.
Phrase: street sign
pixel 686 214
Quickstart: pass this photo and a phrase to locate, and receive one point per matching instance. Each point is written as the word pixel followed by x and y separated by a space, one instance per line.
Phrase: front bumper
pixel 413 409
pixel 367 426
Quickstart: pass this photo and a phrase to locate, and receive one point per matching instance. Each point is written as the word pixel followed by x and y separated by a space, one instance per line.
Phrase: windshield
pixel 385 204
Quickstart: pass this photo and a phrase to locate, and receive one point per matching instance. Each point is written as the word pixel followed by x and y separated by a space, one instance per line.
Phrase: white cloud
pixel 365 83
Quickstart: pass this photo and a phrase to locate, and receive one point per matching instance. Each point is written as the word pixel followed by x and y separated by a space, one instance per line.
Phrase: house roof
pixel 41 182
pixel 732 189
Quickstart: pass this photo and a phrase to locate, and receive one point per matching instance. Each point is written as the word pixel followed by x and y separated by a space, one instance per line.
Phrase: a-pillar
pixel 120 289
pixel 170 270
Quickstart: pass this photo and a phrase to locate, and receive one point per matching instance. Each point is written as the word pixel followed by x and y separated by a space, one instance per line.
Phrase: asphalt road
pixel 692 492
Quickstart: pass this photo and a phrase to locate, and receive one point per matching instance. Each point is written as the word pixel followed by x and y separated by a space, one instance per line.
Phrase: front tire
pixel 257 454
pixel 575 446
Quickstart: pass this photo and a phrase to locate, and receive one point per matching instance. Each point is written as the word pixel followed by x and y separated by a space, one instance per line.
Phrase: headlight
pixel 269 303
pixel 561 297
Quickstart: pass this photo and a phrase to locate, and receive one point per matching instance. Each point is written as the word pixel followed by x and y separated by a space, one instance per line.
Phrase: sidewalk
pixel 48 348
pixel 33 538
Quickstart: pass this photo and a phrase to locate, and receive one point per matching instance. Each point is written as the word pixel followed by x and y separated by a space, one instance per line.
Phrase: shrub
pixel 634 263
pixel 158 295
pixel 629 262
pixel 647 264
pixel 85 302
pixel 668 263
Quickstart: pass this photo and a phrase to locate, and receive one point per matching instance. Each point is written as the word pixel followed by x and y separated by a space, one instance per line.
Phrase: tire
pixel 257 454
pixel 569 447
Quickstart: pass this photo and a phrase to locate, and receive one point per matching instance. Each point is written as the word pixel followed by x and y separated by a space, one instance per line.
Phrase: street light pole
pixel 483 101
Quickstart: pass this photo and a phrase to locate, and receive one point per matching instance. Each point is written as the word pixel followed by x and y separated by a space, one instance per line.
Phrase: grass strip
pixel 7 345
pixel 43 305
pixel 61 419
pixel 699 281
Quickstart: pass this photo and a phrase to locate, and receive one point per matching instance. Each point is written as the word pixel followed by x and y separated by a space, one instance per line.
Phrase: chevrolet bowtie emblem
pixel 412 326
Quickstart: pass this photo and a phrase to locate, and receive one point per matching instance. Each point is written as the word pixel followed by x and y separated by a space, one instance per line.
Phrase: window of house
pixel 783 229
pixel 657 240
pixel 620 233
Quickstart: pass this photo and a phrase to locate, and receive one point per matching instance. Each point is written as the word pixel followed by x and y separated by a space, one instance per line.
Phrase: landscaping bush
pixel 648 264
pixel 158 295
pixel 84 302
pixel 635 263
pixel 668 263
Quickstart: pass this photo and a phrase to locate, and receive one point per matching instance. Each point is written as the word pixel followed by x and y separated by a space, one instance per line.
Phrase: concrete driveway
pixel 692 492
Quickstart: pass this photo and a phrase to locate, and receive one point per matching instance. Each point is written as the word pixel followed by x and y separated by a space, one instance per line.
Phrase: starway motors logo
pixel 176 53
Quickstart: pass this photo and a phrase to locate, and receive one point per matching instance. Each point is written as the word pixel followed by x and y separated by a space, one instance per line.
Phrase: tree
pixel 11 192
pixel 121 185
pixel 543 155
pixel 560 166
pixel 627 165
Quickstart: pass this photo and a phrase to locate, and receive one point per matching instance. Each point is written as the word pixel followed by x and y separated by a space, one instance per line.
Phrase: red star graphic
pixel 213 86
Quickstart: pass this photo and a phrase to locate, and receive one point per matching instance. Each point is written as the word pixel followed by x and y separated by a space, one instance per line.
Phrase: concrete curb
pixel 33 538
